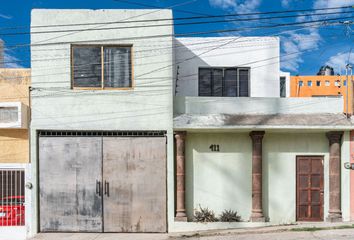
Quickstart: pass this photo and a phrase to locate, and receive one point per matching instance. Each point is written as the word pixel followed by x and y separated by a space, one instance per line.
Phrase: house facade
pixel 14 144
pixel 101 131
pixel 133 130
pixel 242 146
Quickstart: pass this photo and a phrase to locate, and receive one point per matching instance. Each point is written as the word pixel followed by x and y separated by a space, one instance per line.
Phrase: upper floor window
pixel 309 83
pixel 224 82
pixel 97 66
pixel 327 83
pixel 318 83
pixel 345 83
pixel 337 83
pixel 301 83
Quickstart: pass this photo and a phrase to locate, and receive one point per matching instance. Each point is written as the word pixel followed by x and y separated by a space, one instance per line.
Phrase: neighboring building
pixel 101 130
pixel 240 146
pixel 14 145
pixel 323 86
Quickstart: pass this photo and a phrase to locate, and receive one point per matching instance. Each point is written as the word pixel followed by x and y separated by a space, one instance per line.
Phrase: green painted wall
pixel 222 180
pixel 219 180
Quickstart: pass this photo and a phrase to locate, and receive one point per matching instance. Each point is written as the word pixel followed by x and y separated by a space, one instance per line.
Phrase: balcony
pixel 259 113
pixel 13 115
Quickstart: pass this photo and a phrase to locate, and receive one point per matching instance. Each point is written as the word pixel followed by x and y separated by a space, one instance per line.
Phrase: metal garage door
pixel 68 170
pixel 134 173
pixel 95 184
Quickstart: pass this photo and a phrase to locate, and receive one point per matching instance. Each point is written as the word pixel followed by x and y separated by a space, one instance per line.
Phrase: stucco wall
pixel 222 180
pixel 230 105
pixel 261 54
pixel 14 87
pixel 148 106
pixel 14 146
pixel 219 180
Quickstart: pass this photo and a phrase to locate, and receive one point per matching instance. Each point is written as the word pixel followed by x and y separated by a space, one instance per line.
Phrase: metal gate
pixel 12 197
pixel 102 184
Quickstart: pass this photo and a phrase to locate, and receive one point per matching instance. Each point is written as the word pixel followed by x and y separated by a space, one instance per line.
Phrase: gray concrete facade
pixel 56 106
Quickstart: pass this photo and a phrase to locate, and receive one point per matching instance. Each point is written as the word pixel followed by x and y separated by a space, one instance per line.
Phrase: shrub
pixel 204 215
pixel 230 216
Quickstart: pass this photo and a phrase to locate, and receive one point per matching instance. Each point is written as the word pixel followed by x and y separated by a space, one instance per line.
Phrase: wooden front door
pixel 309 188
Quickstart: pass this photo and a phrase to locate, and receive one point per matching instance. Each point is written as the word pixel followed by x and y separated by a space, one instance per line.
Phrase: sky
pixel 304 49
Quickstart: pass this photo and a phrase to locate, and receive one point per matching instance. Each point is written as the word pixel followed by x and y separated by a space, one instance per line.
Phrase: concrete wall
pixel 14 87
pixel 261 54
pixel 335 88
pixel 219 180
pixel 222 180
pixel 229 105
pixel 148 106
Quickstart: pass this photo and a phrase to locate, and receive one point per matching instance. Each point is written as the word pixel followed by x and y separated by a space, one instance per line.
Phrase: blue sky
pixel 303 50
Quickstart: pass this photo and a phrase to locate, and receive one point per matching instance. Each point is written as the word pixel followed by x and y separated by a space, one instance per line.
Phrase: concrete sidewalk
pixel 285 231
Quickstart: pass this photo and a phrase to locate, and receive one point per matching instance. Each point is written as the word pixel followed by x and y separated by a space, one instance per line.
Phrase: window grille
pixel 12 197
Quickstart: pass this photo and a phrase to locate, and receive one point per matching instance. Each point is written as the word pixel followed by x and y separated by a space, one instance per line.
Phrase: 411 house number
pixel 214 147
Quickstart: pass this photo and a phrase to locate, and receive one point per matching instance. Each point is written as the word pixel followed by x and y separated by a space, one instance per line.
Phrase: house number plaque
pixel 214 147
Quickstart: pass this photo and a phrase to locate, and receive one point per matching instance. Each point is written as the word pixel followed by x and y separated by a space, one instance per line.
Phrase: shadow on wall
pixel 186 83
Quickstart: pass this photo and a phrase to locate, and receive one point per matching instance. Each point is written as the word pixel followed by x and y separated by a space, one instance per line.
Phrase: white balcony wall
pixel 261 54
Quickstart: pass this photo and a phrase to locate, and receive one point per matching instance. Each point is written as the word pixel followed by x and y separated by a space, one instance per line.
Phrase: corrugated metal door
pixel 70 171
pixel 134 175
pixel 309 188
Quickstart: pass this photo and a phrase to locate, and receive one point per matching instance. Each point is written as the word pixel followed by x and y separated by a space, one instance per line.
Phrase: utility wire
pixel 175 46
pixel 175 24
pixel 179 19
pixel 180 34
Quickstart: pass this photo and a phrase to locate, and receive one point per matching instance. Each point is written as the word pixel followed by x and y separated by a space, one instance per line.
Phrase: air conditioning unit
pixel 13 115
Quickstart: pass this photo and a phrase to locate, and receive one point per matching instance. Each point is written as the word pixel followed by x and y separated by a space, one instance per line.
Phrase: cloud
pixel 339 60
pixel 5 16
pixel 285 3
pixel 238 6
pixel 332 3
pixel 310 39
pixel 9 60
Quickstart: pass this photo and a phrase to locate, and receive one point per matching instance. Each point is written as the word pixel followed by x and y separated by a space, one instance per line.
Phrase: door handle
pixel 106 188
pixel 98 188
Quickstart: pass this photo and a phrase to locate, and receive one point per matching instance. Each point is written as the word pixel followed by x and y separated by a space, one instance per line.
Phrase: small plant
pixel 229 216
pixel 204 215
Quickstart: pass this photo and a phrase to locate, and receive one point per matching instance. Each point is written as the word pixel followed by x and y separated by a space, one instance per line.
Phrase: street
pixel 339 234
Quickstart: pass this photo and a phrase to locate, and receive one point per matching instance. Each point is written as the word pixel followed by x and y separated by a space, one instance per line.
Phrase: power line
pixel 176 24
pixel 182 34
pixel 187 59
pixel 175 46
pixel 180 18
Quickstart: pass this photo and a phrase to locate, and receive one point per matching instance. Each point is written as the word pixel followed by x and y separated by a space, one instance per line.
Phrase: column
pixel 335 213
pixel 257 209
pixel 180 177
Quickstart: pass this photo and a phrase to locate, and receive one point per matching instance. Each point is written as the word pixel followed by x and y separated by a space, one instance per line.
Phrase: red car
pixel 12 211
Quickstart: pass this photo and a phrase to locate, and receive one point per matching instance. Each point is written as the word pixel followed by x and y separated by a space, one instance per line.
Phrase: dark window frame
pixel 223 80
pixel 102 46
pixel 282 86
